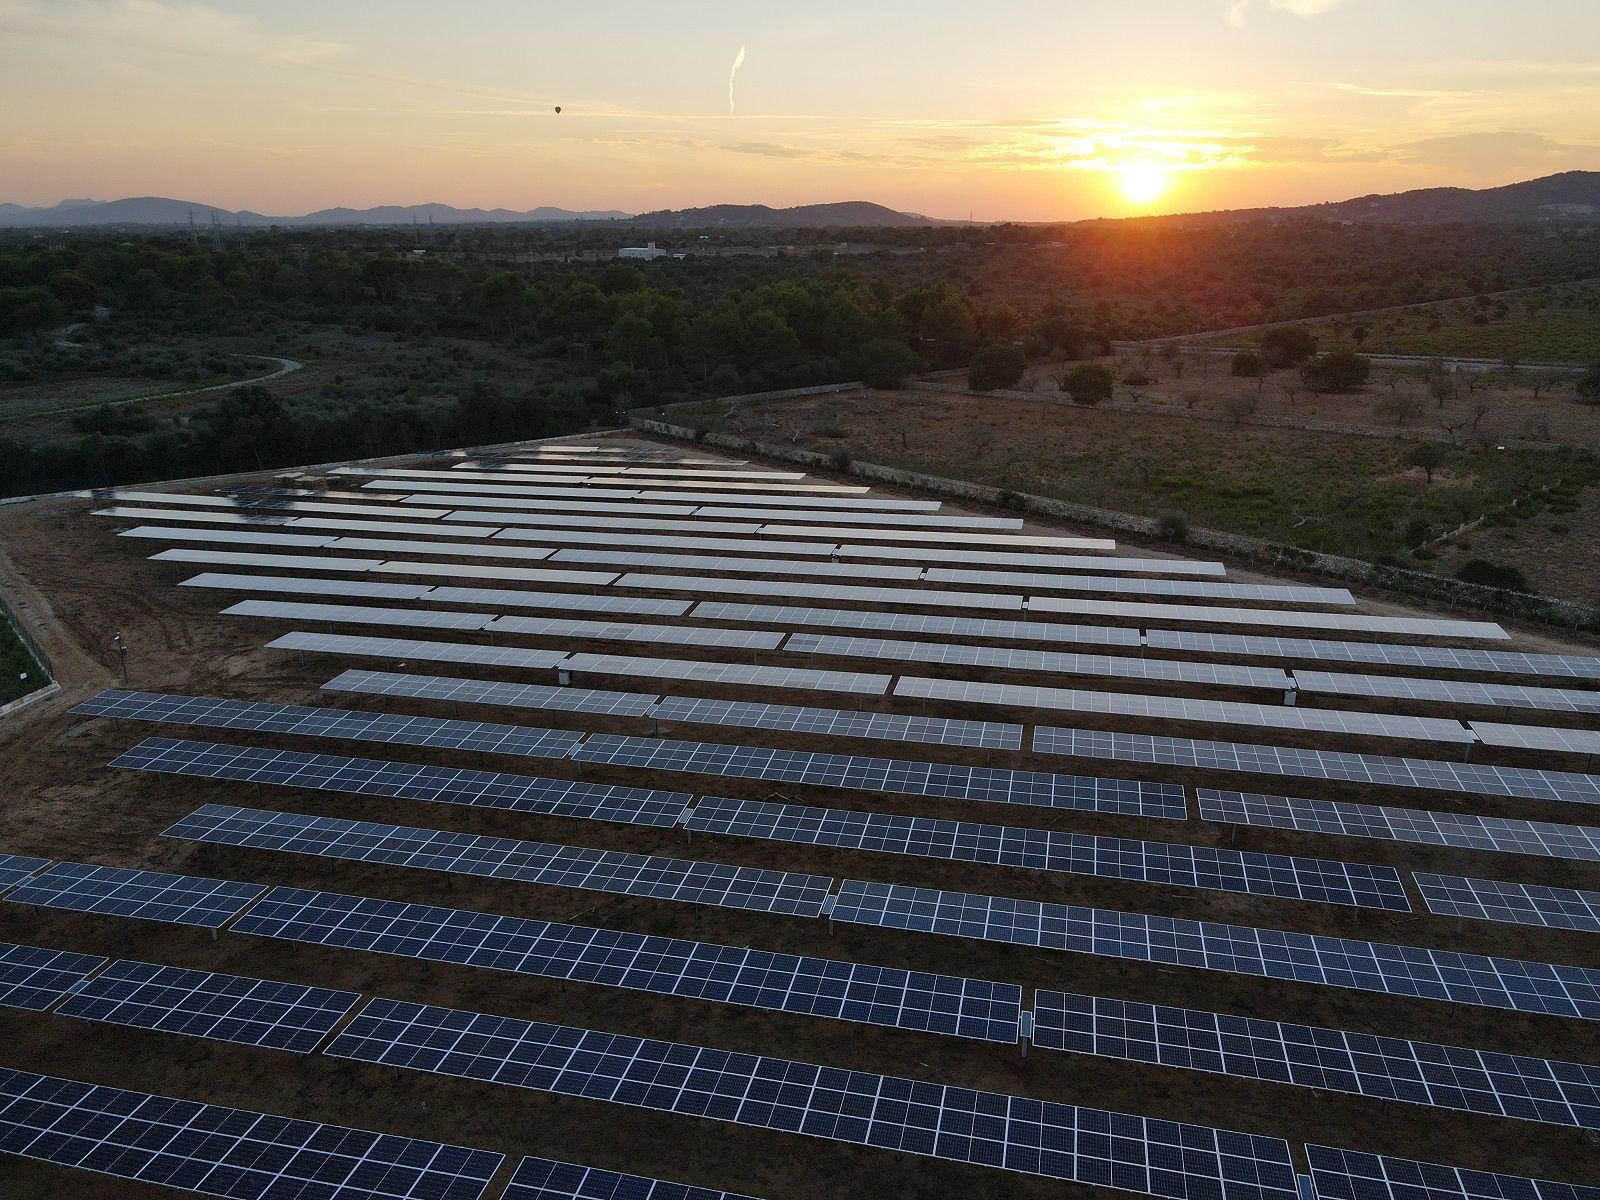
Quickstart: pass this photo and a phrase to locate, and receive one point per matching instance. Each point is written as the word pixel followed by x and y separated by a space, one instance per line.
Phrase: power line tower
pixel 216 233
pixel 194 238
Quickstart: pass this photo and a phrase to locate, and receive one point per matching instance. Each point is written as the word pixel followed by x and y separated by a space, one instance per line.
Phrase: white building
pixel 648 252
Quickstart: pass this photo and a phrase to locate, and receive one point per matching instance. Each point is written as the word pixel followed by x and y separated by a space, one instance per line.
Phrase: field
pixel 1320 490
pixel 64 801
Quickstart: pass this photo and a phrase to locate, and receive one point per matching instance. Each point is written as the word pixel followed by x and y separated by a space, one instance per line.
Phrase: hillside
pixel 160 210
pixel 849 214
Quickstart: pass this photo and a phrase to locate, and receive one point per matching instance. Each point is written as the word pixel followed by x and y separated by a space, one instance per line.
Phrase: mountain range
pixel 1569 196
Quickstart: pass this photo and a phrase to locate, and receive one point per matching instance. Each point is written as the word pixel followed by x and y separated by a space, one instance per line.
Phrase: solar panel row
pixel 142 895
pixel 1353 1175
pixel 1444 658
pixel 1512 903
pixel 33 977
pixel 1272 618
pixel 1447 691
pixel 972 627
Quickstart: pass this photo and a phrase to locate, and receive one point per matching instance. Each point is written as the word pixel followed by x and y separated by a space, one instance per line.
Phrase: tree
pixel 1088 383
pixel 1494 575
pixel 1587 387
pixel 881 363
pixel 1246 364
pixel 1336 371
pixel 1399 408
pixel 999 365
pixel 1442 388
pixel 1237 408
pixel 1427 456
pixel 1287 347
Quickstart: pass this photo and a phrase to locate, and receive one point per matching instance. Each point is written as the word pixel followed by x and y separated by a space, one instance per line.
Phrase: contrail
pixel 737 63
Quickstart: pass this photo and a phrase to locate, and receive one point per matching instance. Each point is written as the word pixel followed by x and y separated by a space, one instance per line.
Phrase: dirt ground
pixel 77 585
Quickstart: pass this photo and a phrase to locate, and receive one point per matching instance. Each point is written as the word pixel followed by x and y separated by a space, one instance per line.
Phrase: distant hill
pixel 159 210
pixel 848 214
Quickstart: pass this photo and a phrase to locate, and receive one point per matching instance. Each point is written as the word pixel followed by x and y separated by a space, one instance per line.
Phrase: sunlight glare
pixel 1143 183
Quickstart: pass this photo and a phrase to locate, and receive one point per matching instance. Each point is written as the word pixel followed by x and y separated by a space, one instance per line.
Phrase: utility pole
pixel 122 653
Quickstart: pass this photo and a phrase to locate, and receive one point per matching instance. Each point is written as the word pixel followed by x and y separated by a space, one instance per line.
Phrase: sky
pixel 1010 109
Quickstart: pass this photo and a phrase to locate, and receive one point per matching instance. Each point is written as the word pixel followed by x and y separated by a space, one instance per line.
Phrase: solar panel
pixel 991 540
pixel 1502 834
pixel 833 722
pixel 144 895
pixel 1537 737
pixel 408 781
pixel 1015 658
pixel 1444 658
pixel 489 548
pixel 416 533
pixel 183 514
pixel 34 978
pixel 357 614
pixel 1180 708
pixel 930 597
pixel 1434 774
pixel 748 566
pixel 1172 864
pixel 1447 691
pixel 575 514
pixel 677 635
pixel 1276 617
pixel 740 674
pixel 1054 582
pixel 546 1179
pixel 272 500
pixel 972 627
pixel 287 585
pixel 233 537
pixel 345 724
pixel 14 868
pixel 638 606
pixel 817 987
pixel 1337 1060
pixel 205 1004
pixel 948 780
pixel 732 510
pixel 404 648
pixel 672 542
pixel 1414 971
pixel 478 571
pixel 1059 1141
pixel 1039 560
pixel 1510 903
pixel 482 691
pixel 230 1152
pixel 1354 1175
pixel 289 562
pixel 659 878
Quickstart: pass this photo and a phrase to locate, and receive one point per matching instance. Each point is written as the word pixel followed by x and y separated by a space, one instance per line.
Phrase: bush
pixel 839 458
pixel 1089 383
pixel 1587 387
pixel 1338 371
pixel 882 363
pixel 1011 501
pixel 1287 347
pixel 1172 527
pixel 1491 574
pixel 996 366
pixel 1137 377
pixel 1247 364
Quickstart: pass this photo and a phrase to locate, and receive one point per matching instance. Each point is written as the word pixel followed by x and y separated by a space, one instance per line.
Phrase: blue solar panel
pixel 948 780
pixel 33 977
pixel 229 1152
pixel 1511 903
pixel 1059 1141
pixel 1241 949
pixel 14 868
pixel 146 895
pixel 817 987
pixel 1355 1175
pixel 205 1004
pixel 546 1179
pixel 409 781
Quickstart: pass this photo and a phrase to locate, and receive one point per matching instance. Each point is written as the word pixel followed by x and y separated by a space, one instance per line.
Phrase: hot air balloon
pixel 558 108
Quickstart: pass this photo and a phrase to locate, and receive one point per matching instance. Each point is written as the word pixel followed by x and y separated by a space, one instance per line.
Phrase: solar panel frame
pixel 36 977
pixel 213 1150
pixel 1509 902
pixel 404 648
pixel 138 894
pixel 1356 1175
pixel 483 691
pixel 1162 1158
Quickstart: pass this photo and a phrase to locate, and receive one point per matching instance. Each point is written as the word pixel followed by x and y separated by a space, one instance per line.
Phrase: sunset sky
pixel 1025 109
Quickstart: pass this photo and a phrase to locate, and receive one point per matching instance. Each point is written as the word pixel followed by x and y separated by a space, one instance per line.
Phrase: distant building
pixel 648 252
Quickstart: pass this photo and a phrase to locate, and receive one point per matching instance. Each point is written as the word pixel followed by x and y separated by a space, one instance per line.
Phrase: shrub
pixel 1247 364
pixel 1491 574
pixel 1587 387
pixel 839 458
pixel 1010 500
pixel 1287 347
pixel 1423 554
pixel 1172 527
pixel 996 366
pixel 1088 383
pixel 1137 377
pixel 1338 371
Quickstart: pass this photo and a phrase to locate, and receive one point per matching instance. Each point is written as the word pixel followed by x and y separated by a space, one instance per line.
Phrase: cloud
pixel 1237 9
pixel 1498 151
pixel 196 29
pixel 737 63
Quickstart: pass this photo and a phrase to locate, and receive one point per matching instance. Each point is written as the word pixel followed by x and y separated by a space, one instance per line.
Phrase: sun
pixel 1143 183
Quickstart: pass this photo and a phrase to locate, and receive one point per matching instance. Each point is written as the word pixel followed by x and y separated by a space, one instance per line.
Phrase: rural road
pixel 286 366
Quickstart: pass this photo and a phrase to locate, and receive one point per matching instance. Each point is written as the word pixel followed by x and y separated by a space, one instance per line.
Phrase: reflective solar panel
pixel 205 1004
pixel 287 585
pixel 640 606
pixel 817 987
pixel 358 614
pixel 1537 737
pixel 972 627
pixel 1172 864
pixel 1056 582
pixel 409 781
pixel 1039 560
pixel 833 722
pixel 949 780
pixel 229 1152
pixel 1016 658
pixel 1434 774
pixel 1354 1175
pixel 478 571
pixel 289 562
pixel 682 880
pixel 679 543
pixel 378 647
pixel 944 536
pixel 273 500
pixel 675 635
pixel 203 517
pixel 546 1179
pixel 14 868
pixel 1502 834
pixel 1414 971
pixel 34 978
pixel 1276 617
pixel 1444 658
pixel 489 548
pixel 417 534
pixel 729 673
pixel 732 511
pixel 345 724
pixel 747 566
pixel 1447 691
pixel 1510 903
pixel 1059 1141
pixel 1336 1060
pixel 482 691
pixel 574 514
pixel 145 895
pixel 1181 708
pixel 930 597
pixel 233 537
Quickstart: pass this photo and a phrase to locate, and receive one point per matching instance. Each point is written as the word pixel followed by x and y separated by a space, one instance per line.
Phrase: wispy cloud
pixel 734 70
pixel 1236 10
pixel 196 29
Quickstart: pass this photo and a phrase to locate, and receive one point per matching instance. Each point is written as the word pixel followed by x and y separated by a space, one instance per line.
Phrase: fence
pixel 1525 606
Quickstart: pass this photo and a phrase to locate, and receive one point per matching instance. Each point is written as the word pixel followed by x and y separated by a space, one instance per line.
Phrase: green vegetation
pixel 19 674
pixel 1089 383
pixel 999 365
